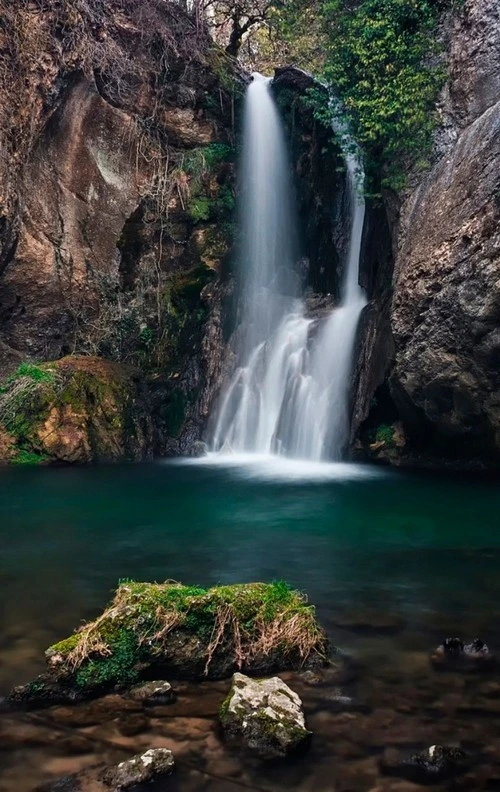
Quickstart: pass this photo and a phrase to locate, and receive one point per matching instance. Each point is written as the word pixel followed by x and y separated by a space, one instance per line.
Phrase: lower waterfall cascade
pixel 289 393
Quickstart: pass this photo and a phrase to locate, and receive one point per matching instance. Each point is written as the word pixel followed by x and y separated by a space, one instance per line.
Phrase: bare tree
pixel 232 21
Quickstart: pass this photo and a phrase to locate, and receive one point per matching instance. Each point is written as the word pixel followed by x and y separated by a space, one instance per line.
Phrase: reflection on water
pixel 424 549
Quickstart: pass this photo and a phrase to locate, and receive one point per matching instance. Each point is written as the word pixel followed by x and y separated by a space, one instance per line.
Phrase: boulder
pixel 75 410
pixel 266 715
pixel 152 630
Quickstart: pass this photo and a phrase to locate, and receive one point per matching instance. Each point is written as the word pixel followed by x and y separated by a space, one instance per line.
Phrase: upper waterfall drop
pixel 289 393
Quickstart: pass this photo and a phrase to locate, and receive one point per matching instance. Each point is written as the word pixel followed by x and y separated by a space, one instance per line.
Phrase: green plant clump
pixel 248 621
pixel 384 434
pixel 29 458
pixel 382 61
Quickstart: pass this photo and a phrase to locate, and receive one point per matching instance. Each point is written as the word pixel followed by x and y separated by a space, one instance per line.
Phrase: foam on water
pixel 273 467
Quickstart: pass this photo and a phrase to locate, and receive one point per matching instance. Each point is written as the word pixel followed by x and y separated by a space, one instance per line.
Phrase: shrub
pixel 384 434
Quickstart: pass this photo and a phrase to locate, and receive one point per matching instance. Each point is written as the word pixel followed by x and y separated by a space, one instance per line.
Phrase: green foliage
pixel 199 208
pixel 28 371
pixel 381 58
pixel 34 372
pixel 210 197
pixel 384 434
pixel 206 158
pixel 30 458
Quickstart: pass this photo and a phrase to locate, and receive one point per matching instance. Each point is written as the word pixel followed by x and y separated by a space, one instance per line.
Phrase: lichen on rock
pixel 266 715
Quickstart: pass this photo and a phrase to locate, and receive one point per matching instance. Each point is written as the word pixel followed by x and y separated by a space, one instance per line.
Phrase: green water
pixel 414 544
pixel 424 550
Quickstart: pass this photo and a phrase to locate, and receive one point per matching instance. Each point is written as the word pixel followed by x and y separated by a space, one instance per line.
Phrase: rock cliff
pixel 116 193
pixel 443 381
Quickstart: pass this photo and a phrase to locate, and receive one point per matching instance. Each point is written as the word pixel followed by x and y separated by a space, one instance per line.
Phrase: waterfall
pixel 289 393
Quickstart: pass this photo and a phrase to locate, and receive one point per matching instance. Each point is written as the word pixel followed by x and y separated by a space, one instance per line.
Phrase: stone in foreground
pixel 140 769
pixel 432 766
pixel 266 715
pixel 454 655
pixel 153 765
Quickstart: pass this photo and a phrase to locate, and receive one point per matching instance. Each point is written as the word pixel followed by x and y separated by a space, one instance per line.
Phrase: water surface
pixel 421 551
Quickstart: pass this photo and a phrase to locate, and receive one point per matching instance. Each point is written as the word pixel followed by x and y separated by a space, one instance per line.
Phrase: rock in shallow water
pixel 140 769
pixel 432 766
pixel 154 764
pixel 454 655
pixel 153 693
pixel 266 715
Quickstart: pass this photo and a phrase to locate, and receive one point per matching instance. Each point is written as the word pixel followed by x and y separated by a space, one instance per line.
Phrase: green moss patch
pixel 77 409
pixel 189 629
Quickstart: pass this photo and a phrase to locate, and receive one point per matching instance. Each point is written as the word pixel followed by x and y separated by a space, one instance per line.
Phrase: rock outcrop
pixel 78 409
pixel 444 381
pixel 116 193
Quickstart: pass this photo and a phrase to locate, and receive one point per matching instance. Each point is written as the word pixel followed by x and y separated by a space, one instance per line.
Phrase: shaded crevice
pixel 131 245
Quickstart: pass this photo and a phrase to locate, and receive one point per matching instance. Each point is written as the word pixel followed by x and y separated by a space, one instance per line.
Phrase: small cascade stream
pixel 289 393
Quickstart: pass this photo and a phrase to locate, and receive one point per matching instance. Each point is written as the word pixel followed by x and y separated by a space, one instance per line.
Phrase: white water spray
pixel 290 392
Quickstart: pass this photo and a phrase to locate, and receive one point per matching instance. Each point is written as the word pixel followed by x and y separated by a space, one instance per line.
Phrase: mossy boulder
pixel 167 630
pixel 265 715
pixel 75 410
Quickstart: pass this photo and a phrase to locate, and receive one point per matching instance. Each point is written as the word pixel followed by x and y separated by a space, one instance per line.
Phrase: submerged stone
pixel 44 691
pixel 454 655
pixel 141 769
pixel 266 715
pixel 152 630
pixel 432 766
pixel 152 765
pixel 153 693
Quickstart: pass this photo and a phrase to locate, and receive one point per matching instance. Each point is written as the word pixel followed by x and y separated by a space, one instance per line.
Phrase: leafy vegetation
pixel 29 458
pixel 384 434
pixel 381 58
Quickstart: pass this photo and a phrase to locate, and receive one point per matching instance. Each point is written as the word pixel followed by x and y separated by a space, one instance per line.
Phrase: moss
pixel 199 208
pixel 119 668
pixel 30 458
pixel 65 646
pixel 248 620
pixel 35 688
pixel 224 707
pixel 384 434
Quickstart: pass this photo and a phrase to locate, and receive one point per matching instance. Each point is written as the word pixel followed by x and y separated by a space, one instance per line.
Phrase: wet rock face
pixel 446 305
pixel 266 715
pixel 475 59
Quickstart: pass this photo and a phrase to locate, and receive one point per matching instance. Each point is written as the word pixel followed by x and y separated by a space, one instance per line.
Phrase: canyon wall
pixel 117 132
pixel 441 386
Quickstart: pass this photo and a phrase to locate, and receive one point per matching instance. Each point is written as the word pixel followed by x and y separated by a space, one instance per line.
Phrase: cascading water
pixel 289 393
